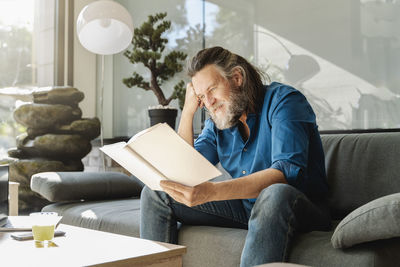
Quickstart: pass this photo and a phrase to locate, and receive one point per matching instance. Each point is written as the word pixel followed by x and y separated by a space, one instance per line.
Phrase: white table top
pixel 84 247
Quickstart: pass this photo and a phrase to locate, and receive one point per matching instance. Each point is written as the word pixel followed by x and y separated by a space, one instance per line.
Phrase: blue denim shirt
pixel 283 136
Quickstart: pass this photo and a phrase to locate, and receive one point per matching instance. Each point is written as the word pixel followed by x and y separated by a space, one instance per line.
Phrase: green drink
pixel 43 232
pixel 43 225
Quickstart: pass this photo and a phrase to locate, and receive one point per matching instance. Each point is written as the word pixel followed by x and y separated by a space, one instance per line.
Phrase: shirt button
pixel 244 172
pixel 244 149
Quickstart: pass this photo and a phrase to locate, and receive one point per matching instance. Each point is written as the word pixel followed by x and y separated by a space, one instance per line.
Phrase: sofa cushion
pixel 120 216
pixel 360 168
pixel 211 246
pixel 378 219
pixel 222 247
pixel 70 186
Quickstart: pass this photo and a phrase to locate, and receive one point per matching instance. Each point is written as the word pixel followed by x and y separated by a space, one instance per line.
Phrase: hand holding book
pixel 188 195
pixel 159 153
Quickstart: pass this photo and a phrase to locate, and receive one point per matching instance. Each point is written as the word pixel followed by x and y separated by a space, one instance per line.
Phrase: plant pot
pixel 163 115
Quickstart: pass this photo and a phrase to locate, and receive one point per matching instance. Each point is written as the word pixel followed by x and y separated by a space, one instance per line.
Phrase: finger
pixel 167 183
pixel 172 187
pixel 175 186
pixel 176 195
pixel 190 89
pixel 201 104
pixel 190 85
pixel 194 91
pixel 164 182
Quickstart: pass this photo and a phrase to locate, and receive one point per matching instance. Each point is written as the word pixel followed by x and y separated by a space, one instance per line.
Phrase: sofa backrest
pixel 360 168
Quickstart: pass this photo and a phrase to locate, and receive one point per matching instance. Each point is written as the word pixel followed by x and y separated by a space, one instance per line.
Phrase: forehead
pixel 206 77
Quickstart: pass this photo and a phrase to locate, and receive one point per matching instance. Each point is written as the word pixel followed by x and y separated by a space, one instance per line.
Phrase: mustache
pixel 235 107
pixel 212 109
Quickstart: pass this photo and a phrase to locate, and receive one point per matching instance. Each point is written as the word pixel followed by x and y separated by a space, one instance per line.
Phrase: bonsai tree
pixel 148 47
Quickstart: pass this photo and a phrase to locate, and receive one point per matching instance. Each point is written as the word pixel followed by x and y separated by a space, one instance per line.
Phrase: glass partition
pixel 131 104
pixel 343 55
pixel 26 58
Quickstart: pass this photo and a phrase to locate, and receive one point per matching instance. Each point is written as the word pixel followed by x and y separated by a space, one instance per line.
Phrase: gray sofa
pixel 364 176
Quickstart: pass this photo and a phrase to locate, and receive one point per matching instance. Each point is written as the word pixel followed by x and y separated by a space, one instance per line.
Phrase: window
pixel 348 53
pixel 27 46
pixel 343 55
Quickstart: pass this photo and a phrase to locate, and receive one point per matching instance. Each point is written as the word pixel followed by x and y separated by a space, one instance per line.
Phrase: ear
pixel 237 77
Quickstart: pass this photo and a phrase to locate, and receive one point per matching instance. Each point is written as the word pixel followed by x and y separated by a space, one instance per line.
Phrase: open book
pixel 159 153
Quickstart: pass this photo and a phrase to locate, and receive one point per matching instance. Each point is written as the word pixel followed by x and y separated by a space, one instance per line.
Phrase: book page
pixel 178 161
pixel 134 164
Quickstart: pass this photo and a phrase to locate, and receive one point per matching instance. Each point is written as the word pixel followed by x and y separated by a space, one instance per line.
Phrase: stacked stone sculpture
pixel 57 138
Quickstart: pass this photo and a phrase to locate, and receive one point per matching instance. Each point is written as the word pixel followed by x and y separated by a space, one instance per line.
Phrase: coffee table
pixel 86 247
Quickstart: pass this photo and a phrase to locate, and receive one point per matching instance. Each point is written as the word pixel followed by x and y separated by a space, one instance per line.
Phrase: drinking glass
pixel 43 225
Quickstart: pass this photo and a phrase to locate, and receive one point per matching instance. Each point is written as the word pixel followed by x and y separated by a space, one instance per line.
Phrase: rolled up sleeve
pixel 290 133
pixel 292 172
pixel 206 143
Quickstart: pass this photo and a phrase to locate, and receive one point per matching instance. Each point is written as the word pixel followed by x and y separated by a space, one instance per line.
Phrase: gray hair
pixel 228 62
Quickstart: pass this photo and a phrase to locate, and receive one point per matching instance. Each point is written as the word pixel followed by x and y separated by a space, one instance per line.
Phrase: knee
pixel 277 193
pixel 149 197
pixel 145 197
pixel 146 193
pixel 275 198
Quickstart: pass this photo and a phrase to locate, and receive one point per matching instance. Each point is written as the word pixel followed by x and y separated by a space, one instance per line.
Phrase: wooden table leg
pixel 13 198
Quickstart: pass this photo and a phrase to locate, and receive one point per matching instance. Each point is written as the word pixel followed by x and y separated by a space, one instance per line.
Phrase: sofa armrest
pixel 74 186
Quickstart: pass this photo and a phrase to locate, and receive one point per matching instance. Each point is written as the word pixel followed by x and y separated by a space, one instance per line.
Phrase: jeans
pixel 278 213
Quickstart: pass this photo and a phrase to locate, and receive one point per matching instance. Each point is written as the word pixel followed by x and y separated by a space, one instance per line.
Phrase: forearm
pixel 247 187
pixel 239 188
pixel 185 129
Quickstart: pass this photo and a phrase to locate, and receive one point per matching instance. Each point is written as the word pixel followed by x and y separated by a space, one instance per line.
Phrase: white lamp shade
pixel 104 27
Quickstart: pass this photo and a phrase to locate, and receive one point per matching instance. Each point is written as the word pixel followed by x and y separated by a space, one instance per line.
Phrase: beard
pixel 235 107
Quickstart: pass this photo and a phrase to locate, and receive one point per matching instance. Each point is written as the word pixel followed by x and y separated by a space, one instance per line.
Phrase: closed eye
pixel 212 89
pixel 201 97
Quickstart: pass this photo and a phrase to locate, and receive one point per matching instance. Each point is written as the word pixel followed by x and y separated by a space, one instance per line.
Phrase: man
pixel 266 137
